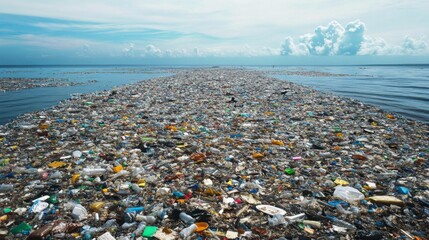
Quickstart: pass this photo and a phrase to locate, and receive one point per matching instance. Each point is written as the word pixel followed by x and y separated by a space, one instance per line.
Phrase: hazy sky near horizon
pixel 45 30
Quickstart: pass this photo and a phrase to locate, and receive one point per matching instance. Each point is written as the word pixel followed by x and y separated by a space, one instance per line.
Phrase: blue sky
pixel 195 31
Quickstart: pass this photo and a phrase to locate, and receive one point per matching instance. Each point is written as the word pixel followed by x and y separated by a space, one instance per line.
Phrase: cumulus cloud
pixel 334 39
pixel 129 49
pixel 152 51
pixel 413 46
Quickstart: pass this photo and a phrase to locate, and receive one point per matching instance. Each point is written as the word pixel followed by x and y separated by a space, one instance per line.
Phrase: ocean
pixel 401 89
pixel 91 78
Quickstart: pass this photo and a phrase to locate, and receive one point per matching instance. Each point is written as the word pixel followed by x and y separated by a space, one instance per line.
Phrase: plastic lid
pixel 201 226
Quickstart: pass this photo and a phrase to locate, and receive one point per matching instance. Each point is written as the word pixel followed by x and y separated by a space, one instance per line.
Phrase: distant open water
pixel 15 103
pixel 398 89
pixel 402 89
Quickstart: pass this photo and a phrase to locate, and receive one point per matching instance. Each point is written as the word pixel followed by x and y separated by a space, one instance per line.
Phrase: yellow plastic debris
pixel 277 142
pixel 75 178
pixel 96 206
pixel 118 168
pixel 141 183
pixel 57 164
pixel 386 200
pixel 341 182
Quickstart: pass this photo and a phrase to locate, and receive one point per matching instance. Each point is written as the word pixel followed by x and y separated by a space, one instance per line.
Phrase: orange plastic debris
pixel 277 142
pixel 117 168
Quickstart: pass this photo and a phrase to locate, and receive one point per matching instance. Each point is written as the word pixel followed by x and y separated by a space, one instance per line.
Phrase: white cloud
pixel 129 48
pixel 334 39
pixel 152 51
pixel 414 46
pixel 236 17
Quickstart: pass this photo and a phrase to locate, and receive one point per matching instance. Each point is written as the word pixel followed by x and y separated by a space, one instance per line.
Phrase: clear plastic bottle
pixel 344 224
pixel 93 171
pixel 139 229
pixel 186 218
pixel 6 187
pixel 186 232
pixel 128 225
pixel 277 219
pixel 146 219
pixel 341 210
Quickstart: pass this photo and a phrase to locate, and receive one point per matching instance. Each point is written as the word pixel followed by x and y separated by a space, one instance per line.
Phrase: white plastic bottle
pixel 186 232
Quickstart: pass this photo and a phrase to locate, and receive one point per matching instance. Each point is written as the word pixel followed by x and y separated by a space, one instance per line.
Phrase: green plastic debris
pixel 53 199
pixel 290 171
pixel 147 139
pixel 149 231
pixel 21 228
pixel 337 129
pixel 7 210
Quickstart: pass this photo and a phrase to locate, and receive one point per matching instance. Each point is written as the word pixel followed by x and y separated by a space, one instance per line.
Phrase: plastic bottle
pixel 6 187
pixel 342 223
pixel 277 219
pixel 135 187
pixel 186 218
pixel 139 229
pixel 296 218
pixel 186 232
pixel 128 225
pixel 146 219
pixel 341 210
pixel 134 209
pixel 93 171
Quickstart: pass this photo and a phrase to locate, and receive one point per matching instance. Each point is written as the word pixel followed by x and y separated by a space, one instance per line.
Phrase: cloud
pixel 152 51
pixel 334 39
pixel 413 46
pixel 129 49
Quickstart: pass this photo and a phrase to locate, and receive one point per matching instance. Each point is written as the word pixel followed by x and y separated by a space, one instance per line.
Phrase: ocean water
pixel 95 78
pixel 401 89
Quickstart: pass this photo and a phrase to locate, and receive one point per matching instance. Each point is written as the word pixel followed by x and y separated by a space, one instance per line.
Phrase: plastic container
pixel 79 212
pixel 186 232
pixel 139 229
pixel 6 187
pixel 93 171
pixel 186 218
pixel 134 209
pixel 348 194
pixel 277 219
pixel 146 219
